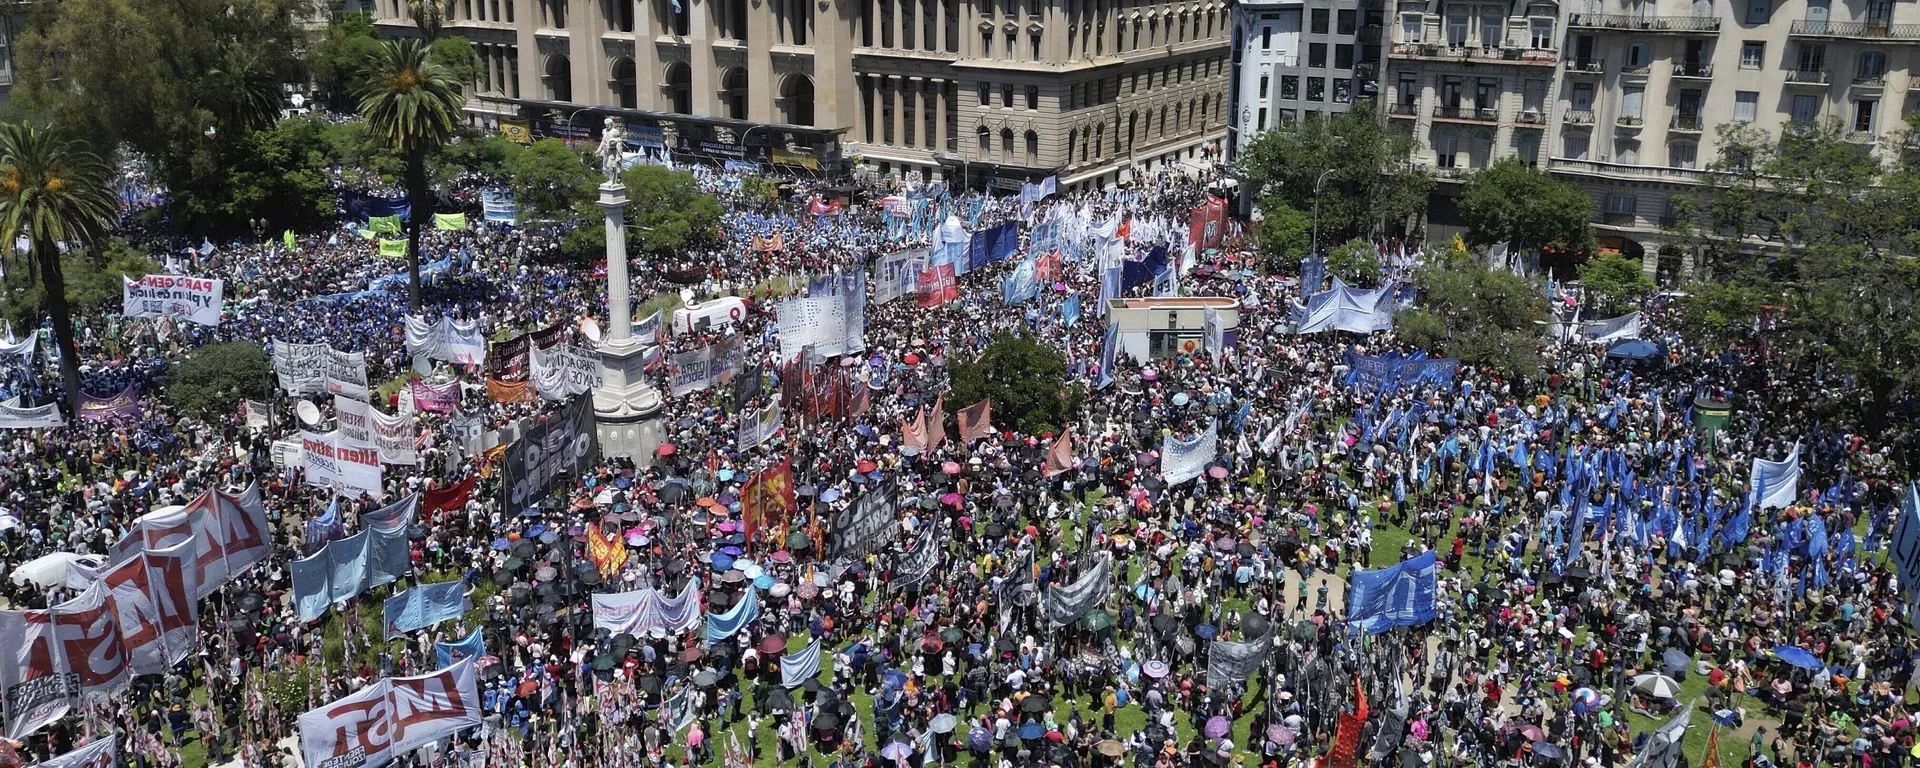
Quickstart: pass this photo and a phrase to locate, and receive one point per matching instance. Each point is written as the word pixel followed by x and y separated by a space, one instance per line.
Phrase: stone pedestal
pixel 626 405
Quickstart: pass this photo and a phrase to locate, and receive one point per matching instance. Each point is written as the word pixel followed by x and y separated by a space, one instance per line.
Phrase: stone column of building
pixel 647 72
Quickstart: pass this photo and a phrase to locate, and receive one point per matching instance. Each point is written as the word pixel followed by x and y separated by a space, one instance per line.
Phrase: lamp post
pixel 1317 184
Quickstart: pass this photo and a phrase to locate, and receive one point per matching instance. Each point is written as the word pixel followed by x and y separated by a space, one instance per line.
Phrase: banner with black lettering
pixel 867 524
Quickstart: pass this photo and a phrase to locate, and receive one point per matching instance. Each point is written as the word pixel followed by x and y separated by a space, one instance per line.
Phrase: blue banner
pixel 1019 285
pixel 1046 237
pixel 1138 273
pixel 1393 371
pixel 347 567
pixel 1313 274
pixel 797 668
pixel 1070 310
pixel 950 253
pixel 721 626
pixel 472 647
pixel 992 245
pixel 1108 350
pixel 424 606
pixel 363 206
pixel 1397 596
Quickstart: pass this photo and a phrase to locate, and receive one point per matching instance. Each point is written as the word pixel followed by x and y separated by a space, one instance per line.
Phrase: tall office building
pixel 1296 60
pixel 998 92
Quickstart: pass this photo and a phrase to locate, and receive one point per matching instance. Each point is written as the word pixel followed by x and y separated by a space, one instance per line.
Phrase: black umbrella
pixel 522 548
pixel 776 701
pixel 604 662
pixel 705 679
pixel 1255 625
pixel 502 578
pixel 1035 703
pixel 650 684
pixel 590 577
pixel 798 541
pixel 814 685
pixel 826 721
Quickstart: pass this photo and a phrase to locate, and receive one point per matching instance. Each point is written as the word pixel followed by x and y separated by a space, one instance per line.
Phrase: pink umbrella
pixel 1217 472
pixel 951 499
pixel 1218 726
pixel 951 468
pixel 726 527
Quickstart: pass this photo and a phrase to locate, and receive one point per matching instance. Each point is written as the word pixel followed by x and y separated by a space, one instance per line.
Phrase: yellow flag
pixel 393 248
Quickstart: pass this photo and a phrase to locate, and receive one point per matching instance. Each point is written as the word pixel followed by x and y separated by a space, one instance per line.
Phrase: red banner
pixel 1207 223
pixel 938 286
pixel 768 500
pixel 451 497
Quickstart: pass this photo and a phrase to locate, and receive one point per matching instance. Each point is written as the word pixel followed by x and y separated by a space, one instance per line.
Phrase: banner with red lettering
pixel 196 299
pixel 1207 223
pixel 390 718
pixel 332 461
pixel 229 535
pixel 49 658
pixel 153 599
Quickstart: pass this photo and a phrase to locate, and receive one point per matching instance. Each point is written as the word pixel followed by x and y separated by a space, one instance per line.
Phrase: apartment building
pixel 1470 81
pixel 990 92
pixel 1297 60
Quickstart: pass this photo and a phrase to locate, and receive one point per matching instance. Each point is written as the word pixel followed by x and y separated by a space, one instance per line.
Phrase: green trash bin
pixel 1709 416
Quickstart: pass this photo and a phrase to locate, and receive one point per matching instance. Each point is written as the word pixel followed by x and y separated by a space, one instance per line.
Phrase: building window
pixel 1758 11
pixel 986 140
pixel 1746 104
pixel 1813 57
pixel 1526 146
pixel 1493 32
pixel 1263 87
pixel 1871 66
pixel 1035 40
pixel 1033 97
pixel 1410 26
pixel 1319 21
pixel 1287 116
pixel 1621 204
pixel 1343 56
pixel 1863 115
pixel 1006 145
pixel 986 45
pixel 986 95
pixel 1446 148
pixel 1033 148
pixel 1682 155
pixel 1266 38
pixel 1626 152
pixel 1542 34
pixel 1409 90
pixel 1289 87
pixel 1805 108
pixel 1342 90
pixel 1456 32
pixel 1006 95
pixel 1752 53
pixel 1343 22
pixel 1574 146
pixel 1316 89
pixel 1632 98
pixel 1638 55
pixel 1317 55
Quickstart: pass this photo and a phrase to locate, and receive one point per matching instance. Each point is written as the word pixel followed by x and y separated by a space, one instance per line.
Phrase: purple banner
pixel 125 405
pixel 441 399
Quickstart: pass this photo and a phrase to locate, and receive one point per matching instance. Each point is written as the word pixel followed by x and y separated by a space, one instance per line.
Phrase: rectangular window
pixel 1527 147
pixel 1752 53
pixel 1542 39
pixel 1344 23
pixel 1746 104
pixel 1758 11
pixel 1446 149
pixel 1343 56
pixel 1457 32
pixel 1621 204
pixel 1805 108
pixel 1316 55
pixel 986 94
pixel 1534 98
pixel 1493 32
pixel 1261 125
pixel 1316 89
pixel 1450 91
pixel 1410 26
pixel 1288 116
pixel 1863 115
pixel 1263 87
pixel 1342 90
pixel 1033 97
pixel 1289 86
pixel 1813 57
pixel 1631 99
pixel 1006 95
pixel 1574 146
pixel 1320 16
pixel 1682 155
pixel 1035 41
pixel 986 45
pixel 1409 89
pixel 1266 38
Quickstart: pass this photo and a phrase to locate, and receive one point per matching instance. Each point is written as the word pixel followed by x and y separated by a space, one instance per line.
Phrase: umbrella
pixel 1637 350
pixel 1110 748
pixel 799 541
pixel 1217 727
pixel 1280 734
pixel 830 495
pixel 979 740
pixel 665 449
pixel 1675 660
pixel 1097 620
pixel 826 721
pixel 1217 472
pixel 1035 703
pixel 1531 731
pixel 951 468
pixel 1657 686
pixel 896 751
pixel 943 723
pixel 773 644
pixel 1155 669
pixel 650 684
pixel 1224 543
pixel 603 662
pixel 951 499
pixel 952 634
pixel 690 654
pixel 1548 751
pixel 1032 731
pixel 1797 656
pixel 777 700
pixel 706 679
pixel 1204 631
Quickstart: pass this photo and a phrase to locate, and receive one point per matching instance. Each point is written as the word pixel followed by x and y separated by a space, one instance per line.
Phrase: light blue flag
pixel 310 594
pixel 1070 310
pixel 797 668
pixel 472 647
pixel 721 626
pixel 1396 596
pixel 424 606
pixel 348 557
pixel 1108 351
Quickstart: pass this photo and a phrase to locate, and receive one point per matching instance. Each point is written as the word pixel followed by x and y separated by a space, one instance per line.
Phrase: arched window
pixel 1033 148
pixel 1099 141
pixel 1006 145
pixel 559 78
pixel 624 92
pixel 733 92
pixel 796 99
pixel 1073 137
pixel 986 140
pixel 679 88
pixel 1482 149
pixel 1133 128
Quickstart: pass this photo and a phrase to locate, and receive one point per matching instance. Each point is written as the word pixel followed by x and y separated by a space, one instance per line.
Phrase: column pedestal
pixel 625 406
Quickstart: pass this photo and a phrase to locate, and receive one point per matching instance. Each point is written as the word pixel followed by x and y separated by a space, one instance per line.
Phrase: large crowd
pixel 1544 649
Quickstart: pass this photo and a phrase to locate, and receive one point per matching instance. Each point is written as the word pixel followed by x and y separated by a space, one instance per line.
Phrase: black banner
pixel 866 525
pixel 565 444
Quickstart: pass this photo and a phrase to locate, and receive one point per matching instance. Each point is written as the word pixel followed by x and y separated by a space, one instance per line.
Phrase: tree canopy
pixel 1482 316
pixel 666 209
pixel 214 378
pixel 1026 380
pixel 1523 206
pixel 1614 283
pixel 549 179
pixel 1371 183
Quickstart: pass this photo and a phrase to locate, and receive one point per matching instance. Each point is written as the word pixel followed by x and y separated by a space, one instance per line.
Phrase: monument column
pixel 625 404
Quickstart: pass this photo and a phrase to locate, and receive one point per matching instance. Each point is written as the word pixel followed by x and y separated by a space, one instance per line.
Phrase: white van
pixel 711 315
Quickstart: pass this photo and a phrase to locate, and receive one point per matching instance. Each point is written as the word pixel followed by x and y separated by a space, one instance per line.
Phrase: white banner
pixel 898 274
pixel 758 427
pixel 391 718
pixel 690 371
pixel 153 597
pixel 195 298
pixel 1183 460
pixel 256 414
pixel 302 368
pixel 565 371
pixel 12 416
pixel 347 373
pixel 355 419
pixel 98 753
pixel 820 321
pixel 396 437
pixel 331 462
pixel 455 341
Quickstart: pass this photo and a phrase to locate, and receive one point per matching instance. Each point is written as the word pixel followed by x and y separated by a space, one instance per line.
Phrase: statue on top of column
pixel 613 142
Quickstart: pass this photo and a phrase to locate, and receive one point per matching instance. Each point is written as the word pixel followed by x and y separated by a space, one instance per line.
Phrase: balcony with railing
pixel 1869 30
pixel 1636 23
pixel 1862 137
pixel 1624 170
pixel 1687 124
pixel 1587 66
pixel 1469 114
pixel 1808 77
pixel 1693 71
pixel 1629 122
pixel 1641 70
pixel 1531 118
pixel 1475 53
pixel 1406 109
pixel 1579 117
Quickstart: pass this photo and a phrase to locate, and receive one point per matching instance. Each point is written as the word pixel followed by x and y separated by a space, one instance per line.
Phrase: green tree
pixel 1614 283
pixel 487 155
pixel 667 210
pixel 549 179
pixel 1370 185
pixel 1283 235
pixel 1482 316
pixel 214 379
pixel 412 105
pixel 280 175
pixel 344 55
pixel 1523 206
pixel 455 54
pixel 1357 263
pixel 93 282
pixel 53 191
pixel 1721 314
pixel 1026 380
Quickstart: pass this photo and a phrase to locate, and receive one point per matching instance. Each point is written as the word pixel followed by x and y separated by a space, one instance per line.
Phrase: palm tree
pixel 413 104
pixel 429 16
pixel 242 93
pixel 53 191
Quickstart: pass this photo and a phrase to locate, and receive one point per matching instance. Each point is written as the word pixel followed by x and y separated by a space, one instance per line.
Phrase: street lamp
pixel 1317 184
pixel 966 170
